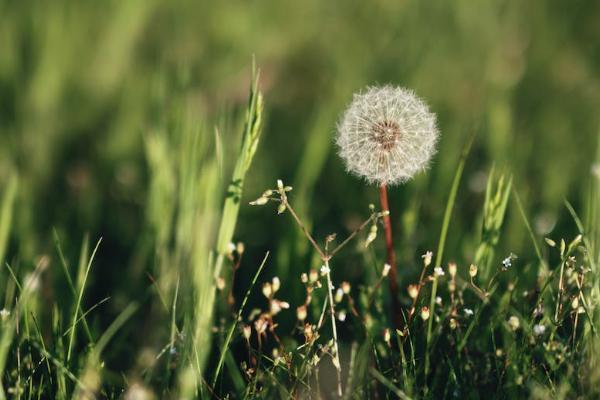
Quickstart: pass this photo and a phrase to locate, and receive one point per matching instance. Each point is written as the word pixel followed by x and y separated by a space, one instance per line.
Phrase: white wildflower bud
pixel 4 314
pixel 539 329
pixel 473 271
pixel 438 300
pixel 387 135
pixel 452 269
pixel 513 322
pixel 427 258
pixel 230 248
pixel 468 312
pixel 339 295
pixel 341 316
pixel 386 270
pixel 304 277
pixel 301 313
pixel 281 208
pixel 267 193
pixel 279 184
pixel 575 303
pixel 453 324
pixel 267 290
pixel 275 307
pixel 325 270
pixel 550 242
pixel 313 276
pixel 413 291
pixel 387 335
pixel 438 271
pixel 240 248
pixel 261 201
pixel 247 332
pixel 345 287
pixel 276 284
pixel 287 189
pixel 425 313
pixel 371 236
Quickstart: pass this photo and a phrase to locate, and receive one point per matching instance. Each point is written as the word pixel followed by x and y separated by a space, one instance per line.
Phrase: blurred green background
pixel 82 84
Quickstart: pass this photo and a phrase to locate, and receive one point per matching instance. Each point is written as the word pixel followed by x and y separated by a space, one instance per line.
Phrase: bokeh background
pixel 82 84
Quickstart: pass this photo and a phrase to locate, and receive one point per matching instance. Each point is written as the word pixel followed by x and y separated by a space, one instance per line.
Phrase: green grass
pixel 134 134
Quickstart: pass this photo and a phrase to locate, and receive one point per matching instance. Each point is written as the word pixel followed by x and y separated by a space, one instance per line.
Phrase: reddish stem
pixel 391 258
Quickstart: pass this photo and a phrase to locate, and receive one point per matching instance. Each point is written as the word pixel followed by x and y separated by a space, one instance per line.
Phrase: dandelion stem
pixel 391 257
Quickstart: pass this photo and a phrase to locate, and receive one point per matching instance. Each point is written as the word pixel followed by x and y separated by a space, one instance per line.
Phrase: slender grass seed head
pixel 387 135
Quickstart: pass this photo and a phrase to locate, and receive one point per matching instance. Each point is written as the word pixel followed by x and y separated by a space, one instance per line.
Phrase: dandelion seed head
pixel 387 135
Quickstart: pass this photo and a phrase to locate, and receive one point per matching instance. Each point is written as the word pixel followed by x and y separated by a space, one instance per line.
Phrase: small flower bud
pixel 339 295
pixel 239 248
pixel 247 332
pixel 281 208
pixel 550 242
pixel 276 284
pixel 261 201
pixel 513 322
pixel 452 269
pixel 438 271
pixel 267 290
pixel 387 336
pixel 301 313
pixel 313 276
pixel 453 324
pixel 473 271
pixel 427 258
pixel 425 313
pixel 325 270
pixel 413 291
pixel 575 303
pixel 304 277
pixel 345 287
pixel 386 270
pixel 371 236
pixel 341 316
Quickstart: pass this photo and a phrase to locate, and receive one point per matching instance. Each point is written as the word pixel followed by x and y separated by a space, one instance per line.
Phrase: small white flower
pixel 507 262
pixel 4 314
pixel 341 316
pixel 325 270
pixel 438 271
pixel 468 312
pixel 438 300
pixel 539 329
pixel 427 258
pixel 387 135
pixel 514 323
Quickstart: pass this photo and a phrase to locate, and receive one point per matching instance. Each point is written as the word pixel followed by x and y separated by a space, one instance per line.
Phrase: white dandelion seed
pixel 387 135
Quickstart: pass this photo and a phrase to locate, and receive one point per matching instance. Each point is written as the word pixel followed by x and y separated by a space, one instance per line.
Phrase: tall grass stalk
pixel 442 242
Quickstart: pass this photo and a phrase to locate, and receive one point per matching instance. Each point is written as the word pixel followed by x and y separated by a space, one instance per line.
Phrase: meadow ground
pixel 134 136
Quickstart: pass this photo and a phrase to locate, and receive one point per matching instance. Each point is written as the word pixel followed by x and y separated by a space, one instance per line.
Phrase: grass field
pixel 135 134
